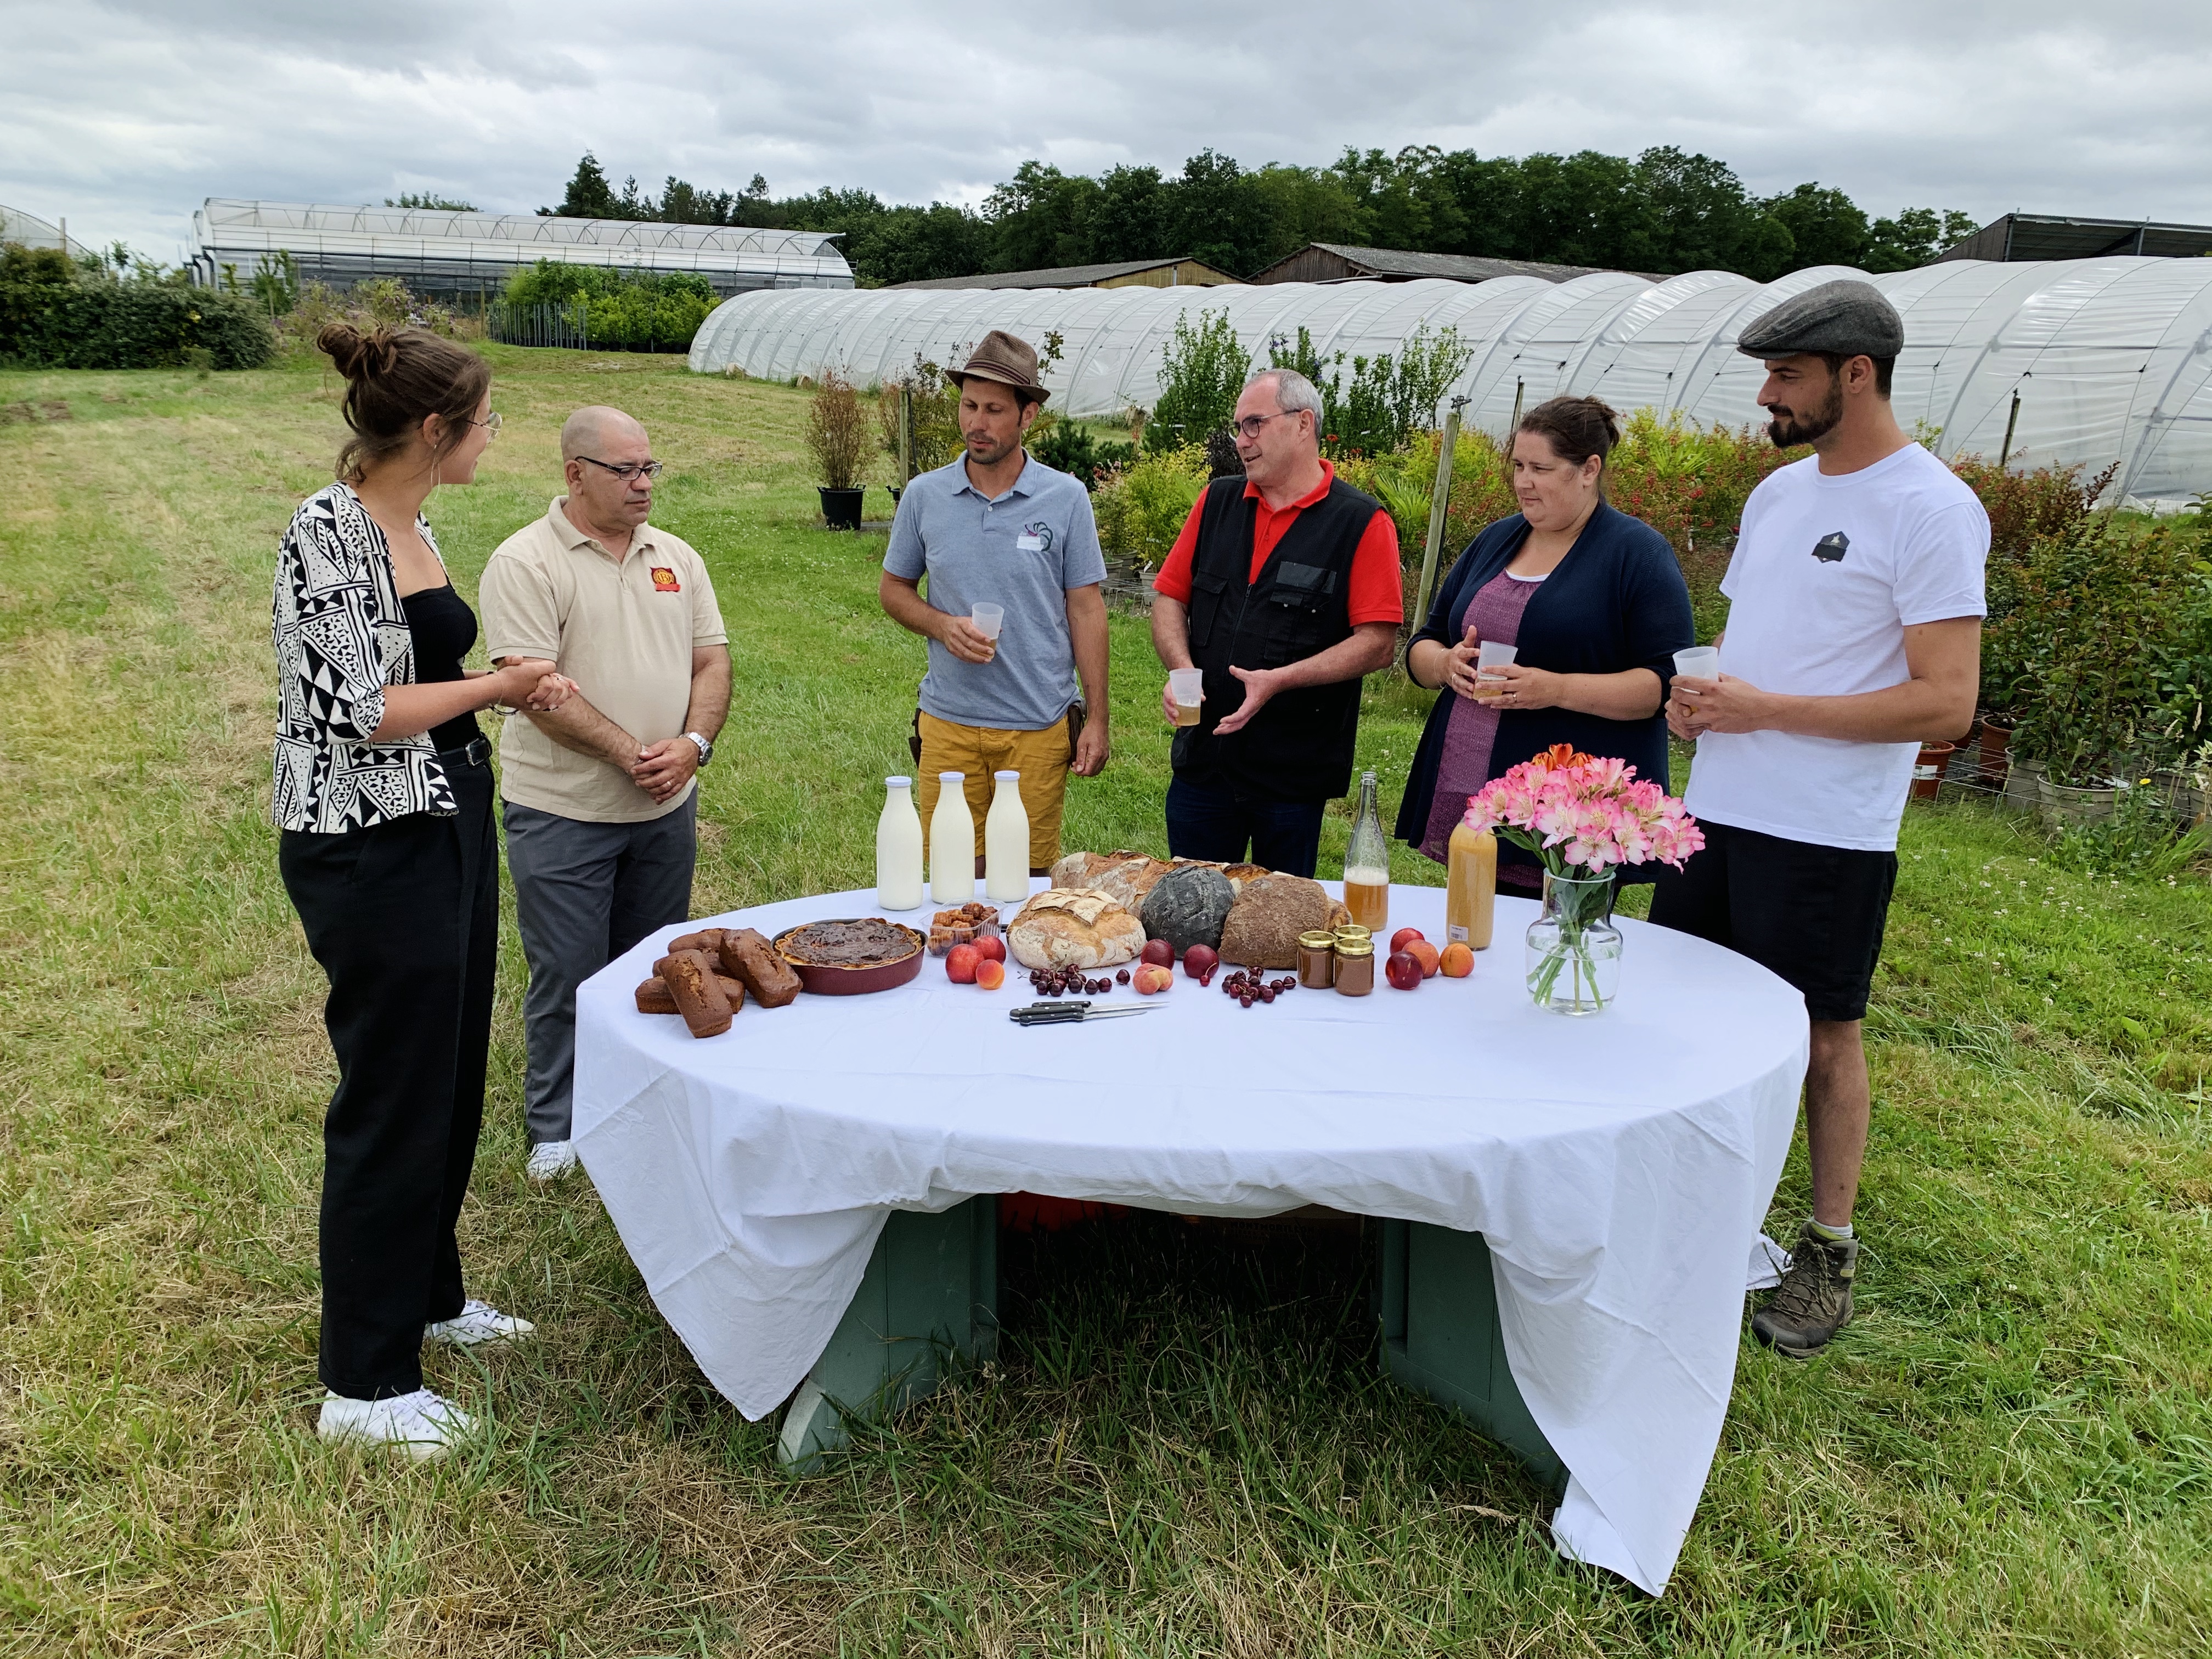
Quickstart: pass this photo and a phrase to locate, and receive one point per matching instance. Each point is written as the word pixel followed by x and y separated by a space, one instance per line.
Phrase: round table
pixel 1618 1165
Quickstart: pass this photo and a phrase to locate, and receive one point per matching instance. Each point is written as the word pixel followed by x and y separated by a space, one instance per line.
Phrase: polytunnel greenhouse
pixel 2110 359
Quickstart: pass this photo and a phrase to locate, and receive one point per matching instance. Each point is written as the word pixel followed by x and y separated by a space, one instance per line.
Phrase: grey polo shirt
pixel 1024 551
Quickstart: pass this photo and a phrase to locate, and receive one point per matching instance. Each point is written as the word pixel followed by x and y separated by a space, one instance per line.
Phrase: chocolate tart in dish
pixel 848 957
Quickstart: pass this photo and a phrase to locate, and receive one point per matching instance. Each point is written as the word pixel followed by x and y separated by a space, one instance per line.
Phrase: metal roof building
pixel 2107 355
pixel 1338 262
pixel 442 254
pixel 2051 236
pixel 1124 273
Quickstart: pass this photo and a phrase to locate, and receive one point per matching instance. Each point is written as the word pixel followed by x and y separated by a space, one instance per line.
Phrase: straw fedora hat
pixel 1008 361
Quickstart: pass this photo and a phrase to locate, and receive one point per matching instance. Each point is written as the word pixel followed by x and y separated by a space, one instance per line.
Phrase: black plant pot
pixel 841 508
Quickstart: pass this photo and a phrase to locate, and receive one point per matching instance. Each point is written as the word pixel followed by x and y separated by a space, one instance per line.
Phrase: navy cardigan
pixel 1617 601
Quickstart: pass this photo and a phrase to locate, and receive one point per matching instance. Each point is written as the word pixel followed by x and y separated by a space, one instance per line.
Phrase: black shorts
pixel 1808 913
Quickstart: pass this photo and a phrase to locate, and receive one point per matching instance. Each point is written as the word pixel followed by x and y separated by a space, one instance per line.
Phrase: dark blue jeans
pixel 1217 824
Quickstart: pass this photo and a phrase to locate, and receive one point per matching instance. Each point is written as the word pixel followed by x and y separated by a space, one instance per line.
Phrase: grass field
pixel 1184 1449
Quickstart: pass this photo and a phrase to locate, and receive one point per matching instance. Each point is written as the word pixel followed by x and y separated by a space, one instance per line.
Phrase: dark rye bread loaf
pixel 1264 924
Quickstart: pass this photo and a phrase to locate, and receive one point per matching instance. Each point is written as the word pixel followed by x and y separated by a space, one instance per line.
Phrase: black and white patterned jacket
pixel 341 637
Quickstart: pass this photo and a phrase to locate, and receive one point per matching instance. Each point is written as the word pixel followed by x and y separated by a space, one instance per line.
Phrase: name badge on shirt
pixel 1029 544
pixel 1034 538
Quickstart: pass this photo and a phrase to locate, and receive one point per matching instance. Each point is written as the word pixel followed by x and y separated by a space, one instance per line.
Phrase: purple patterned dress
pixel 1494 612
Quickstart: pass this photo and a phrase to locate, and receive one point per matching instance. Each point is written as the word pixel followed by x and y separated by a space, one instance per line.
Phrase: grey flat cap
pixel 1845 316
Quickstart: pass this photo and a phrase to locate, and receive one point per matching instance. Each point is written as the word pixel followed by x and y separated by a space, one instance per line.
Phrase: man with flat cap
pixel 998 527
pixel 1853 637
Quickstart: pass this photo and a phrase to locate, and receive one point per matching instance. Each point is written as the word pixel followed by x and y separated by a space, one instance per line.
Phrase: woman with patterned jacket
pixel 384 799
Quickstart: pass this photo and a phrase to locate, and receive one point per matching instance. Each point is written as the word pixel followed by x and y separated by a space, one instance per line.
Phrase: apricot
pixel 1455 962
pixel 990 973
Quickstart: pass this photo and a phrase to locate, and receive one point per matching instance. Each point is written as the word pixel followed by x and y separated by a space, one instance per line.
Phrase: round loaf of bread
pixel 1066 928
pixel 1187 906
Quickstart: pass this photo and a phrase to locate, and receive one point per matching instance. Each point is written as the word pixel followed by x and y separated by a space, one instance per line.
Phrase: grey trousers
pixel 584 893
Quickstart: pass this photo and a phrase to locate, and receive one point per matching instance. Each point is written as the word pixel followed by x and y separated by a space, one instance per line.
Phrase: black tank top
pixel 444 630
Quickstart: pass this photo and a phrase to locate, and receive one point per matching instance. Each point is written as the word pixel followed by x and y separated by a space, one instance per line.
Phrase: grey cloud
pixel 123 115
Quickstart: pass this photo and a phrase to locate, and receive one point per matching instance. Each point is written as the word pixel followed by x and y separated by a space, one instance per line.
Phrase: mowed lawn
pixel 1185 1447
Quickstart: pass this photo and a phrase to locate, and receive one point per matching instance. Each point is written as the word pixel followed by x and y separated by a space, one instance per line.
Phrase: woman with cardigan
pixel 1593 603
pixel 383 802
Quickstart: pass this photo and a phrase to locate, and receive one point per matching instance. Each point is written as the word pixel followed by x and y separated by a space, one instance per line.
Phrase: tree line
pixel 1662 212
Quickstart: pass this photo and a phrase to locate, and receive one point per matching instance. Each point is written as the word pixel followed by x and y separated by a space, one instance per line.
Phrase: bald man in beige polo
pixel 599 799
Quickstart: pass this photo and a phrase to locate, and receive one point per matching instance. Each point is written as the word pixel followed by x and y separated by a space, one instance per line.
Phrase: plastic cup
pixel 988 619
pixel 1700 662
pixel 1187 685
pixel 1495 655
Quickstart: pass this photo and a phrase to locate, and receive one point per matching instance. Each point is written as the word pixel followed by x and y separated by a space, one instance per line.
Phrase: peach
pixel 961 963
pixel 991 948
pixel 1398 939
pixel 1424 953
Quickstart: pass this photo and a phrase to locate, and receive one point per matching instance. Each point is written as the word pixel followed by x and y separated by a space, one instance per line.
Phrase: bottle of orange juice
pixel 1367 865
pixel 1470 887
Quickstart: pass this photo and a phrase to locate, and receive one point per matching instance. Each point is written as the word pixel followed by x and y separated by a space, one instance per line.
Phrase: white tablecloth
pixel 1619 1165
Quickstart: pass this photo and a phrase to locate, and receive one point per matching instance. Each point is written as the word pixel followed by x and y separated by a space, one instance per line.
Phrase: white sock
pixel 1833 1234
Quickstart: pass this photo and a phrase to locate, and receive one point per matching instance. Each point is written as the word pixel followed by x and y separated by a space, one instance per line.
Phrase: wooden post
pixel 1519 386
pixel 1440 498
pixel 906 434
pixel 2004 449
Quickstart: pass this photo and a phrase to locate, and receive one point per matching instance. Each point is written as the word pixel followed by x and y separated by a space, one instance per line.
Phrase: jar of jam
pixel 1317 959
pixel 1355 966
pixel 1352 930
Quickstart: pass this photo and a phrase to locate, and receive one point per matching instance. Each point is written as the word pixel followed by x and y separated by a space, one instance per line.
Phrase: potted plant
pixel 837 438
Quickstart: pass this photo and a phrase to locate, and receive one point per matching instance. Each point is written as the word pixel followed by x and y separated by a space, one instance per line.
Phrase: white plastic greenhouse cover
pixel 2112 358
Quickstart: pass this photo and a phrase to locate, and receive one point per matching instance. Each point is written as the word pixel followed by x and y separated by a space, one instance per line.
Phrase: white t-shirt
pixel 1828 574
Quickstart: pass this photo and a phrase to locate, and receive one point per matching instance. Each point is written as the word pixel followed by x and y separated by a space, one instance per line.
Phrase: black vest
pixel 1300 746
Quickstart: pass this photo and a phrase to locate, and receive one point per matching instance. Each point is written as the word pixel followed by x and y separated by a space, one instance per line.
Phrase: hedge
pixel 54 316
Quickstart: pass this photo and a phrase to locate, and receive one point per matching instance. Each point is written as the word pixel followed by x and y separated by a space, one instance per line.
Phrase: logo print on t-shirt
pixel 1832 547
pixel 664 580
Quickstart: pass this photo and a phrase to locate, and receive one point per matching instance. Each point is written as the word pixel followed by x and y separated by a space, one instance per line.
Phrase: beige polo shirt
pixel 624 629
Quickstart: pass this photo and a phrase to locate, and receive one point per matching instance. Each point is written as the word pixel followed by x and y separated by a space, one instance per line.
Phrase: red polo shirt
pixel 1377 590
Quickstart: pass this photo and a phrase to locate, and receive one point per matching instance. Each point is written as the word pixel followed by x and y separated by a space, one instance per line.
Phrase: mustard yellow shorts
pixel 1041 757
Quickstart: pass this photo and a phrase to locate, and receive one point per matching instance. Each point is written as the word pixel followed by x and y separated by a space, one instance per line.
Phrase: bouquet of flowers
pixel 1583 817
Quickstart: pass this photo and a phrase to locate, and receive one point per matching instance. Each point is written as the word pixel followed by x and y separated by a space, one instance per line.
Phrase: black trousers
pixel 403 918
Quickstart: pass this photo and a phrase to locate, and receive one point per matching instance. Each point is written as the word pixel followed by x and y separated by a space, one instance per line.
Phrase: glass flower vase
pixel 1573 951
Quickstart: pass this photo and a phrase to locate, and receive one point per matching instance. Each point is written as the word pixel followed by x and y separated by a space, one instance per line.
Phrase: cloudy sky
pixel 122 115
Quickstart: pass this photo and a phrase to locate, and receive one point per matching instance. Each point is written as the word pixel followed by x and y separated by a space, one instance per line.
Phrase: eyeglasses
pixel 491 424
pixel 629 470
pixel 1250 425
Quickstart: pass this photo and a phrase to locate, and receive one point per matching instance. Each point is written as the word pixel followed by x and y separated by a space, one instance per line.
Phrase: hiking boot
pixel 1814 1301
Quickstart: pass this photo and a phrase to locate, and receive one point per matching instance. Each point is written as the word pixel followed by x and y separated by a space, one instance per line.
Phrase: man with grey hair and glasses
pixel 600 800
pixel 1284 588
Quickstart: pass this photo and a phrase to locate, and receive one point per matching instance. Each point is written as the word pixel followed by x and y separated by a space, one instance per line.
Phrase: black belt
pixel 476 752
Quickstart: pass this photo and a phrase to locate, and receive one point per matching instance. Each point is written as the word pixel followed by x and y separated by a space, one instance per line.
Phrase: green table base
pixel 931 1294
pixel 1441 1337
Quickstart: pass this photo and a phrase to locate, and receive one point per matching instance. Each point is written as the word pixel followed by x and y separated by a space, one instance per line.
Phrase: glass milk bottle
pixel 898 848
pixel 1006 842
pixel 951 843
pixel 1367 865
pixel 1471 887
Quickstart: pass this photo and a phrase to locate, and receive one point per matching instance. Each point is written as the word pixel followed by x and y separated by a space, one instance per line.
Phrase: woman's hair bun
pixel 359 357
pixel 1578 427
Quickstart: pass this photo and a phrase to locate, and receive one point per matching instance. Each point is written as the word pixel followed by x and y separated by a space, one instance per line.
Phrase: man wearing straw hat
pixel 1016 611
pixel 1854 637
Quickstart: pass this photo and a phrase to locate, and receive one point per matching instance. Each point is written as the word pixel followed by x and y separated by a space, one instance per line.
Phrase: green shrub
pixel 1391 395
pixel 935 409
pixel 2103 642
pixel 1141 508
pixel 1074 448
pixel 1203 372
pixel 618 310
pixel 57 314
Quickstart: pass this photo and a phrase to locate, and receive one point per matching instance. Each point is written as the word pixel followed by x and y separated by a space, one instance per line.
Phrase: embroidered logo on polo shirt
pixel 1832 547
pixel 664 580
pixel 1034 538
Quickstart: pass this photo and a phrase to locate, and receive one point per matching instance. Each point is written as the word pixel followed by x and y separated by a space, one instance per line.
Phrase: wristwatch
pixel 705 747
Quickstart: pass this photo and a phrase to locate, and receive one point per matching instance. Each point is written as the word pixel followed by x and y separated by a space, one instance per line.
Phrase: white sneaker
pixel 478 1323
pixel 422 1425
pixel 551 1159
